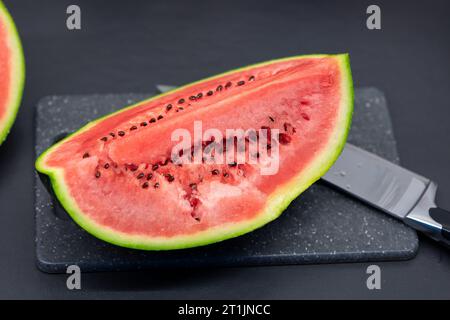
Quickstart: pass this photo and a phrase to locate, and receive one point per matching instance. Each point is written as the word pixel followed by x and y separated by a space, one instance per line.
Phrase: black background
pixel 127 46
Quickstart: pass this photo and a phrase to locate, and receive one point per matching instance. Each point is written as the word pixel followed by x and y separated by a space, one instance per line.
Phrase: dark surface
pixel 321 226
pixel 127 49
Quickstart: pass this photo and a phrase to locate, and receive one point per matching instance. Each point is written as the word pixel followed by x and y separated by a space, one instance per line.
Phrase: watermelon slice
pixel 121 180
pixel 12 72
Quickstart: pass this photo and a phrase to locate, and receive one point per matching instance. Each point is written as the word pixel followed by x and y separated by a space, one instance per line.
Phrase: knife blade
pixel 384 185
pixel 395 190
pixel 376 181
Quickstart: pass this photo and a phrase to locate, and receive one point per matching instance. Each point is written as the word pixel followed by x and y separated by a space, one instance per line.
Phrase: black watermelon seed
pixel 133 128
pixel 143 124
pixel 181 101
pixel 145 185
pixel 209 93
pixel 225 174
pixel 228 84
pixel 193 186
pixel 160 117
pixel 112 134
pixel 121 133
pixel 104 139
pixel 156 185
pixel 200 95
pixel 149 176
pixel 155 167
pixel 215 172
pixel 140 176
pixel 86 155
pixel 192 98
pixel 170 177
pixel 271 119
pixel 98 174
pixel 219 88
pixel 168 107
pixel 152 120
pixel 106 166
pixel 251 78
pixel 240 83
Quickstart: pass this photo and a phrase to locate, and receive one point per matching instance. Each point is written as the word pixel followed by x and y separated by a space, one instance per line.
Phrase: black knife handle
pixel 427 217
pixel 442 217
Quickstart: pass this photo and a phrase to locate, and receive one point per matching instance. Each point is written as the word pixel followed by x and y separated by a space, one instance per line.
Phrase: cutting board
pixel 321 226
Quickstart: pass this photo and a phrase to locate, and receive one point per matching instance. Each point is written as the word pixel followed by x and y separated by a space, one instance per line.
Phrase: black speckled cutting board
pixel 321 226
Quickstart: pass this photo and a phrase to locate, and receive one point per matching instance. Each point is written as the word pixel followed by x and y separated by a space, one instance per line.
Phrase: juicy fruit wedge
pixel 11 72
pixel 118 180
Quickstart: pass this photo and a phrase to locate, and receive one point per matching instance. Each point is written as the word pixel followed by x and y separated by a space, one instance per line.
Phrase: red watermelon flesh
pixel 117 179
pixel 11 72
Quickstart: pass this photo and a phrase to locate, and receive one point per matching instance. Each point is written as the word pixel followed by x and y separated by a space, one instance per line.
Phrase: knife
pixel 397 191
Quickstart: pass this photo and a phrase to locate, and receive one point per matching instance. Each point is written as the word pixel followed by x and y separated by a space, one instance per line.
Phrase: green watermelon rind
pixel 18 73
pixel 276 204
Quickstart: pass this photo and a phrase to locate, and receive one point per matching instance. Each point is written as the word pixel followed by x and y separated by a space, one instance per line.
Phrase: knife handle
pixel 443 217
pixel 427 217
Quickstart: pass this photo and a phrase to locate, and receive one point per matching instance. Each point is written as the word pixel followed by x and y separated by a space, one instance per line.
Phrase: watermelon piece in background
pixel 12 72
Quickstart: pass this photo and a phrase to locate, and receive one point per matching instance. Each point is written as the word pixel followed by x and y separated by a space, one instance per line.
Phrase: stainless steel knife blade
pixel 391 188
pixel 377 181
pixel 388 187
pixel 164 88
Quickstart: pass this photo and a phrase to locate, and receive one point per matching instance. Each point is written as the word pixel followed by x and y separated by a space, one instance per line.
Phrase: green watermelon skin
pixel 277 200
